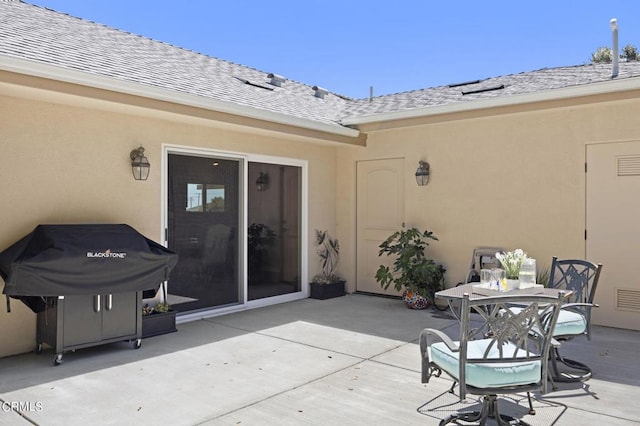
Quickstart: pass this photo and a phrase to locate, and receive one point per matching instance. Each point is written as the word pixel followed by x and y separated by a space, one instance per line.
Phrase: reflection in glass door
pixel 273 235
pixel 205 227
pixel 203 218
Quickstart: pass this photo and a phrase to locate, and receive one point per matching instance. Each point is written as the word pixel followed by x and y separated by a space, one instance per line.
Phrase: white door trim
pixel 243 159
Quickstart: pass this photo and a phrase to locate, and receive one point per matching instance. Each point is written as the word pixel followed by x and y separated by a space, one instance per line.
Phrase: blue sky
pixel 395 46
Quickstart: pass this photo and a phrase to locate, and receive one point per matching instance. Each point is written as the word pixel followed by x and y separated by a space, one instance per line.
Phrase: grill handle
pixel 96 303
pixel 109 302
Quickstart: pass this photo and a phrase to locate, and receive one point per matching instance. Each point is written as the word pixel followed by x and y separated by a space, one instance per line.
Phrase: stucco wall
pixel 514 180
pixel 509 178
pixel 69 164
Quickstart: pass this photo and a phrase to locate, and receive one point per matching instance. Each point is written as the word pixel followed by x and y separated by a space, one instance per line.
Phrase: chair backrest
pixel 482 258
pixel 580 277
pixel 513 331
pixel 575 275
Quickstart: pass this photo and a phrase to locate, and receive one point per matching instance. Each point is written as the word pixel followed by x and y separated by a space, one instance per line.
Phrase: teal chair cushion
pixel 487 375
pixel 570 324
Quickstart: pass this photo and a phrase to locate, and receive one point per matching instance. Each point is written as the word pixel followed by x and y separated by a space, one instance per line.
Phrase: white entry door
pixel 613 231
pixel 380 212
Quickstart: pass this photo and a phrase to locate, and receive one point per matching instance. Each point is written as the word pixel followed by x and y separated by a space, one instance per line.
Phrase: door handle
pixel 96 303
pixel 109 302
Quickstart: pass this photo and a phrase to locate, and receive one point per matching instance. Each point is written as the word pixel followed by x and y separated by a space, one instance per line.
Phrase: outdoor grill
pixel 85 282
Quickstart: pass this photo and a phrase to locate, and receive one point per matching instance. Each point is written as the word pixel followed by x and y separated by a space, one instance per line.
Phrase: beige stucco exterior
pixel 510 176
pixel 65 159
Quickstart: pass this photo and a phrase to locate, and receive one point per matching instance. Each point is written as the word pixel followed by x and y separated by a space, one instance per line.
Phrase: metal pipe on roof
pixel 614 54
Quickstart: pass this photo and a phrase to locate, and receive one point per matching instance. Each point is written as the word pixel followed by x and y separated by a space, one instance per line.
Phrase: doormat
pixel 515 405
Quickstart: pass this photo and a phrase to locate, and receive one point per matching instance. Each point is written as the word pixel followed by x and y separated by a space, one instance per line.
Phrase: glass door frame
pixel 243 159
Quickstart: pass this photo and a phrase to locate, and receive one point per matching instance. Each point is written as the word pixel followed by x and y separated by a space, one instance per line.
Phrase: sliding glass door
pixel 207 203
pixel 273 243
pixel 203 228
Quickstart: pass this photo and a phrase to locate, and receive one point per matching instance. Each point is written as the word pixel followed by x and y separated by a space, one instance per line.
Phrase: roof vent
pixel 276 79
pixel 484 89
pixel 251 83
pixel 466 83
pixel 319 92
pixel 614 50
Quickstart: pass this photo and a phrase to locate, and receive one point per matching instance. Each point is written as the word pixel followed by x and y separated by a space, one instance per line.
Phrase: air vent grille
pixel 629 165
pixel 627 299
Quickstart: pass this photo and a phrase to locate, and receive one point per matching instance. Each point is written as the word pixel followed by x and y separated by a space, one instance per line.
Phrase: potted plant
pixel 327 284
pixel 511 262
pixel 158 319
pixel 412 272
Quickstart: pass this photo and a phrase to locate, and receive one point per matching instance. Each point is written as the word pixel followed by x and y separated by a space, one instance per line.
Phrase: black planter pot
pixel 158 323
pixel 327 291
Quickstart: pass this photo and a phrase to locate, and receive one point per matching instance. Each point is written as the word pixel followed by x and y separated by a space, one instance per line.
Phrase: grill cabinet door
pixel 119 315
pixel 82 320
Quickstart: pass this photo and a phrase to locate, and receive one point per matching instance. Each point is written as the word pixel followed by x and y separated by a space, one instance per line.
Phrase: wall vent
pixel 628 299
pixel 628 165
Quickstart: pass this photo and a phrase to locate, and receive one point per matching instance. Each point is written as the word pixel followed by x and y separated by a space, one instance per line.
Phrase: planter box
pixel 158 323
pixel 327 291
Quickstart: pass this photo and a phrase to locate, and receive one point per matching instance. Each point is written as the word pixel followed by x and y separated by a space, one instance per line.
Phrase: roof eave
pixel 591 89
pixel 37 69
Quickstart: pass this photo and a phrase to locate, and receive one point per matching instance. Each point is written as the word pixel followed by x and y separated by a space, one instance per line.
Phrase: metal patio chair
pixel 482 258
pixel 499 351
pixel 580 277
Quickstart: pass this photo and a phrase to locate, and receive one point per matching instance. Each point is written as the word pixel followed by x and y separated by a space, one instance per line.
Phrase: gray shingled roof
pixel 45 36
pixel 546 79
pixel 42 35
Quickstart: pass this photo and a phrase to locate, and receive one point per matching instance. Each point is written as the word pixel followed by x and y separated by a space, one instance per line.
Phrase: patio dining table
pixel 454 295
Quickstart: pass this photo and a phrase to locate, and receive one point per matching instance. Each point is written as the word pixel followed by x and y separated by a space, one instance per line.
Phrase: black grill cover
pixel 63 260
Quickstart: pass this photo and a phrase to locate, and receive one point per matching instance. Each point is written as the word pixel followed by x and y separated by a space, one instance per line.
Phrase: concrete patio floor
pixel 351 360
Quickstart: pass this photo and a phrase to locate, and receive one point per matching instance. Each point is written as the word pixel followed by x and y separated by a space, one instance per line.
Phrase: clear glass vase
pixel 527 275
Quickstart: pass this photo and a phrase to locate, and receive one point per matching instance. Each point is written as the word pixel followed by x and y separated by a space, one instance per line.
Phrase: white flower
pixel 511 262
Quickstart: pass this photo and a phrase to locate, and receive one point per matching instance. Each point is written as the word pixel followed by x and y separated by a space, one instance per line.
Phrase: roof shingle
pixel 45 36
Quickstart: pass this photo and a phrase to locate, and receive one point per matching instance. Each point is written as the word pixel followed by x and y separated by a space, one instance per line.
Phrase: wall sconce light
pixel 139 164
pixel 422 174
pixel 262 183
